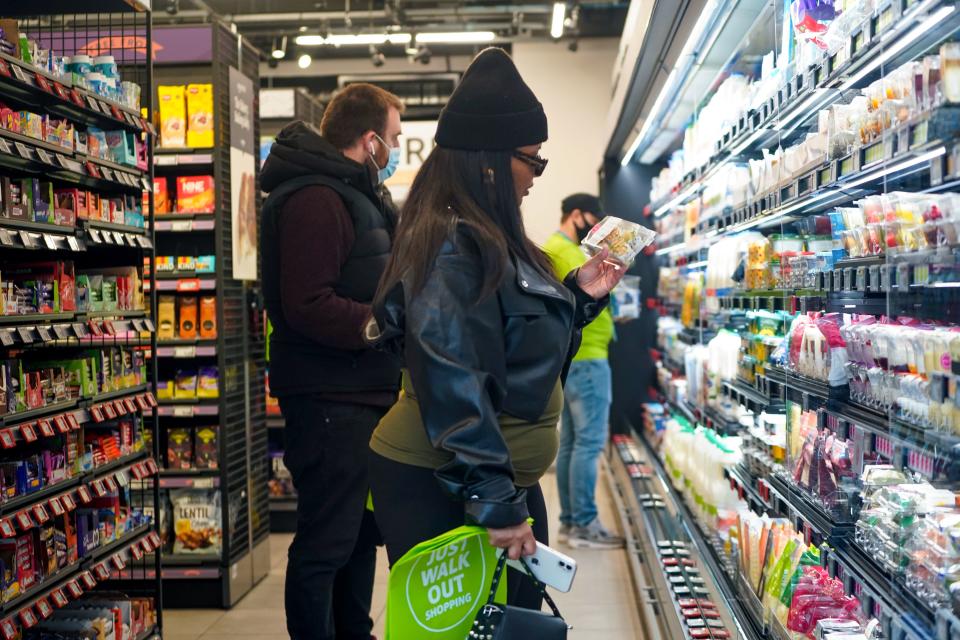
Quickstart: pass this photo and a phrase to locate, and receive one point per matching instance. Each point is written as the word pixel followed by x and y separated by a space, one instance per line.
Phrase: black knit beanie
pixel 492 109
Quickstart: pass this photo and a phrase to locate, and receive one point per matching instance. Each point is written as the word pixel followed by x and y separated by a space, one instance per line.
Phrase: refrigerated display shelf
pixel 788 112
pixel 668 519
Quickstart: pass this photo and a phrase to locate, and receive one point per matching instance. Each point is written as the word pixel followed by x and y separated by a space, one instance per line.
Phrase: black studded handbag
pixel 500 622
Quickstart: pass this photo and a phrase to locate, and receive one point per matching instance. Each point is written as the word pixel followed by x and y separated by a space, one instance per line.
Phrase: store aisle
pixel 601 604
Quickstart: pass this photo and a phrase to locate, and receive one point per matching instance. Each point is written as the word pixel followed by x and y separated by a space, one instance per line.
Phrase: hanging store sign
pixel 243 167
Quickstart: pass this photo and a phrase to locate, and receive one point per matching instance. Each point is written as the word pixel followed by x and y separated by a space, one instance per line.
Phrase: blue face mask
pixel 393 161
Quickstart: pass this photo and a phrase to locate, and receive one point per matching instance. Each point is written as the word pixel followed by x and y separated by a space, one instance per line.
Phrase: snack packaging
pixel 173 116
pixel 161 197
pixel 208 318
pixel 188 317
pixel 166 312
pixel 624 239
pixel 200 115
pixel 195 194
pixel 206 449
pixel 186 385
pixel 196 521
pixel 208 384
pixel 179 449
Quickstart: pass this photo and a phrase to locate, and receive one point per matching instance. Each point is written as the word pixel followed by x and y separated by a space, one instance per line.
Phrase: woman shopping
pixel 484 330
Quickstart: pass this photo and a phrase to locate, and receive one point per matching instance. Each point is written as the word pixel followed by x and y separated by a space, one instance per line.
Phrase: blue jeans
pixel 583 433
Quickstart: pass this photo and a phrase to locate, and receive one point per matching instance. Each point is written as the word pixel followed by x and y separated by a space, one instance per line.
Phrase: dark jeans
pixel 410 508
pixel 333 557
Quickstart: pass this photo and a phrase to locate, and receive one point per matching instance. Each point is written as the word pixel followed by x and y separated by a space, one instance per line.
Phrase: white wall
pixel 575 91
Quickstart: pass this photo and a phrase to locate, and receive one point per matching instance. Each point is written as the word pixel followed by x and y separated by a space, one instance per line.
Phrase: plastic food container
pixel 107 66
pixel 622 238
pixel 786 244
pixel 820 244
pixel 80 64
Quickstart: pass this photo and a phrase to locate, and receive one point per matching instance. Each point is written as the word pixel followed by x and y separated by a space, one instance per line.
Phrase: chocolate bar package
pixel 179 449
pixel 206 448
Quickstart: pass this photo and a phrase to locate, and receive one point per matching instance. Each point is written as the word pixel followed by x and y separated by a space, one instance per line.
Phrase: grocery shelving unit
pixel 55 418
pixel 291 105
pixel 914 154
pixel 239 483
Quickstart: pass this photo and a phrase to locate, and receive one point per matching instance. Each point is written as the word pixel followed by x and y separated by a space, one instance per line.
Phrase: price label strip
pixel 21 74
pixel 44 608
pixel 40 513
pixel 24 521
pixel 73 588
pixel 25 152
pixel 28 433
pixel 7 529
pixel 87 580
pixel 46 428
pixel 28 618
pixel 27 240
pixel 84 494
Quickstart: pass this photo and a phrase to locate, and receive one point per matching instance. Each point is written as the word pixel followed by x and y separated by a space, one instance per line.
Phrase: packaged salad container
pixel 622 238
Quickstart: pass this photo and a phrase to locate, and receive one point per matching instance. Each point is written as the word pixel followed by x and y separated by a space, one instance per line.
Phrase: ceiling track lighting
pixel 304 61
pixel 423 54
pixel 376 57
pixel 559 17
pixel 279 51
pixel 378 39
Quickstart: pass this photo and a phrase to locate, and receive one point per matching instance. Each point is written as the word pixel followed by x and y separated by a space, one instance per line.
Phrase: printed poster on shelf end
pixel 243 166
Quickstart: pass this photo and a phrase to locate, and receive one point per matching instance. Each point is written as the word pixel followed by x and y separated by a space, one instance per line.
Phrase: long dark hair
pixel 476 188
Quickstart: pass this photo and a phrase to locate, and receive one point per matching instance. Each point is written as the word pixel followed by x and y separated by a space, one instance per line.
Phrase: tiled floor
pixel 601 604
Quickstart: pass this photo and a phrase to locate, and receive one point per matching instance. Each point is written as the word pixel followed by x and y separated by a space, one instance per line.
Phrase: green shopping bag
pixel 436 589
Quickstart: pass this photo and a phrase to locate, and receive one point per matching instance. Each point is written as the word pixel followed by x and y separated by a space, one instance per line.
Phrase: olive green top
pixel 401 437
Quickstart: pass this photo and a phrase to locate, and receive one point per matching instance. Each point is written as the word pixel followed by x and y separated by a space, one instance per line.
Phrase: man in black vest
pixel 326 236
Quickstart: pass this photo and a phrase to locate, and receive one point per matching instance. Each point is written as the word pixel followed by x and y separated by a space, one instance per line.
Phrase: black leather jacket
pixel 469 361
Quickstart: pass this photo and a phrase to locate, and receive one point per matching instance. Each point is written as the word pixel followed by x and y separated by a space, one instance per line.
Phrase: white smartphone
pixel 550 567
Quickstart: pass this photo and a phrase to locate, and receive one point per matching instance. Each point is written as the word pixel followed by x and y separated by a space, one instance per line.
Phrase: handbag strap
pixel 498 572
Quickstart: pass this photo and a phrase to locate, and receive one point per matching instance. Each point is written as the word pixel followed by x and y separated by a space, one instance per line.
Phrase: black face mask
pixel 584 231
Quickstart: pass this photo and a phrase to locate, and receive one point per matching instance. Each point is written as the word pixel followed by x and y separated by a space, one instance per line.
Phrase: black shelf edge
pixel 747 626
pixel 122 393
pixel 25 416
pixel 114 546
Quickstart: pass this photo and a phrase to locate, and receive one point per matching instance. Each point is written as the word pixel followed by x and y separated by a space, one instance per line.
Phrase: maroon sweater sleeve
pixel 316 237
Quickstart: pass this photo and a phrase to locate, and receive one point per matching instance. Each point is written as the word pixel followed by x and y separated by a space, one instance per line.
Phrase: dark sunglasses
pixel 539 164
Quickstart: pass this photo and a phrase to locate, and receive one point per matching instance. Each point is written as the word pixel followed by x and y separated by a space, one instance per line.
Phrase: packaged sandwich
pixel 622 238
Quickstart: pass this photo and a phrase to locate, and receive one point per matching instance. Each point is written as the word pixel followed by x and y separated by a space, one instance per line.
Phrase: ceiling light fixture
pixel 559 15
pixel 351 39
pixel 456 37
pixel 423 55
pixel 304 61
pixel 279 48
pixel 687 58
